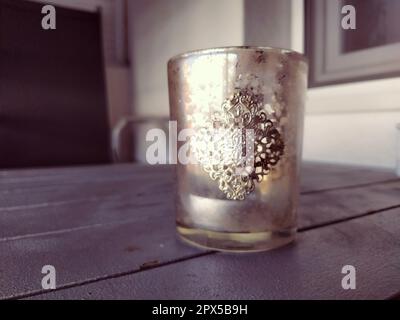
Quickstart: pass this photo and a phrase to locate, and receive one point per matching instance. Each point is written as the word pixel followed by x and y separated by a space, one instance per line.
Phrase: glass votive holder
pixel 244 108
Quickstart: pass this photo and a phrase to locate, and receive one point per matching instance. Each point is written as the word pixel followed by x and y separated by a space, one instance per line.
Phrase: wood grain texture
pixel 309 269
pixel 321 176
pixel 325 207
pixel 67 188
pixel 101 222
pixel 125 202
pixel 314 176
pixel 86 254
pixel 56 199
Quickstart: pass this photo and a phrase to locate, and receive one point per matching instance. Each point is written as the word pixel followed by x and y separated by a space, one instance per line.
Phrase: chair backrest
pixel 53 107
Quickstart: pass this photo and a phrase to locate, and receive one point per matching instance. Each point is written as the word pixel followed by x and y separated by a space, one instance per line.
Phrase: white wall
pixel 160 29
pixel 365 136
pixel 367 139
pixel 362 130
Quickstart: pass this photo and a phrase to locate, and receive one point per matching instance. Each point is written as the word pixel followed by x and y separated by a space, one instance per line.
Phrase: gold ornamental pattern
pixel 223 145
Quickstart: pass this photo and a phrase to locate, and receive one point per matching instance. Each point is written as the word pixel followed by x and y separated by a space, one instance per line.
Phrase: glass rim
pixel 216 50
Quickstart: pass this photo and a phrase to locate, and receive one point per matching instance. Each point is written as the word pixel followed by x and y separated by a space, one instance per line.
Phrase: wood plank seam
pixel 335 205
pixel 61 231
pixel 111 197
pixel 355 186
pixel 190 257
pixel 61 203
pixel 97 198
pixel 368 213
pixel 102 278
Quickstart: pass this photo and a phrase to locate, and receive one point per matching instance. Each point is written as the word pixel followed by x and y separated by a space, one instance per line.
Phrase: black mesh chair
pixel 52 89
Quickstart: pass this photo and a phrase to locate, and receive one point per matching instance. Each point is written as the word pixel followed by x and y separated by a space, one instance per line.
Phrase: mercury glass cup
pixel 244 108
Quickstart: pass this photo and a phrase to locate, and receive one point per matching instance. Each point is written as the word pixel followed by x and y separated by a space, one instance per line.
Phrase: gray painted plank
pixel 82 214
pixel 43 181
pixel 69 193
pixel 122 218
pixel 145 227
pixel 75 172
pixel 66 198
pixel 325 207
pixel 88 253
pixel 63 186
pixel 42 187
pixel 154 199
pixel 319 176
pixel 310 269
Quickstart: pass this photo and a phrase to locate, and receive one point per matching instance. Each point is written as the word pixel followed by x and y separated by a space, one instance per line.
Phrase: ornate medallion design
pixel 240 131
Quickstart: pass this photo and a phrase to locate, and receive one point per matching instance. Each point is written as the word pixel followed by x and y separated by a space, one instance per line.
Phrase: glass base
pixel 236 242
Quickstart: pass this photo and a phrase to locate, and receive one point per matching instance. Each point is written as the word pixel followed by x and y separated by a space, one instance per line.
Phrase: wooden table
pixel 109 232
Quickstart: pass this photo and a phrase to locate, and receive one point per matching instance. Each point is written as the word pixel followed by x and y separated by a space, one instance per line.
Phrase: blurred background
pixel 88 91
